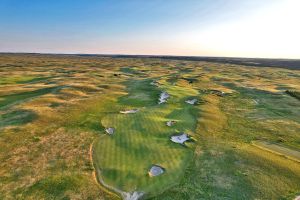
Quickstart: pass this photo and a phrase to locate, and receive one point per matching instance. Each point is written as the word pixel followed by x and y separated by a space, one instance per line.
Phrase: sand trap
pixel 180 139
pixel 297 198
pixel 191 101
pixel 171 123
pixel 163 97
pixel 132 196
pixel 110 130
pixel 156 170
pixel 129 111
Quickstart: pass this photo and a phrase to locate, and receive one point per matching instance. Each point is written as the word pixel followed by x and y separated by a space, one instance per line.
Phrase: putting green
pixel 143 139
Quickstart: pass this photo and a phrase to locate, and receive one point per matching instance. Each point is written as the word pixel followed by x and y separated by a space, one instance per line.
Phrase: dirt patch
pixel 129 111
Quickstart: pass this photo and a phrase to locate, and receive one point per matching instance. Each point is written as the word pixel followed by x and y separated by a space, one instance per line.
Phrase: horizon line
pixel 146 55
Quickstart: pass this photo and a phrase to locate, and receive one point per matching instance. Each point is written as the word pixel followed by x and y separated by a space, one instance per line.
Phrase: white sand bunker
pixel 180 139
pixel 129 111
pixel 171 123
pixel 156 170
pixel 132 196
pixel 110 130
pixel 163 97
pixel 191 101
pixel 297 198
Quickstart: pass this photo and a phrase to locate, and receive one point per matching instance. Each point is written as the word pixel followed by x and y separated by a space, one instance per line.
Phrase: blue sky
pixel 169 27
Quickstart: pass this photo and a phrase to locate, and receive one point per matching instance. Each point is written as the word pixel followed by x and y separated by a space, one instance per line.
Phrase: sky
pixel 230 28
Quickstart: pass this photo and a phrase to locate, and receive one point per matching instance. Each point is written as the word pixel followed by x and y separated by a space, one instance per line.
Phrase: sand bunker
pixel 297 198
pixel 163 97
pixel 110 130
pixel 180 139
pixel 156 170
pixel 171 123
pixel 132 196
pixel 129 111
pixel 191 101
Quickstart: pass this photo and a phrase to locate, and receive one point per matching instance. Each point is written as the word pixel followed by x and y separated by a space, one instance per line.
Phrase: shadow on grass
pixel 12 99
pixel 17 117
pixel 54 187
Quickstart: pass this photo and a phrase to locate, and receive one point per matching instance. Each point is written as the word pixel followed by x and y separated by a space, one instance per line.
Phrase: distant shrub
pixel 293 94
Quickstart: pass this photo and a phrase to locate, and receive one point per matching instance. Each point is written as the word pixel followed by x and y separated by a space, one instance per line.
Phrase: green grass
pixel 273 117
pixel 140 94
pixel 20 79
pixel 130 70
pixel 267 104
pixel 142 139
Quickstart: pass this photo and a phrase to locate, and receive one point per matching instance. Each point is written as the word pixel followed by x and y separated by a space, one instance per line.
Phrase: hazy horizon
pixel 251 29
pixel 138 55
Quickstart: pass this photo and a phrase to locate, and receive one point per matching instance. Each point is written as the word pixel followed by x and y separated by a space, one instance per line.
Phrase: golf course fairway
pixel 143 139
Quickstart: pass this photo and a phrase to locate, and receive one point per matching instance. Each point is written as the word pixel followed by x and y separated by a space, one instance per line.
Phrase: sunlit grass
pixel 52 108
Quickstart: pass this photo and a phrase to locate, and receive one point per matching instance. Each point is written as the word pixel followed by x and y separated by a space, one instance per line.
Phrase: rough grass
pixel 54 107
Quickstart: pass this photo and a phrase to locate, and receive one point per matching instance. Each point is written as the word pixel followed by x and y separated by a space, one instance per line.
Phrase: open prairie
pixel 56 111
